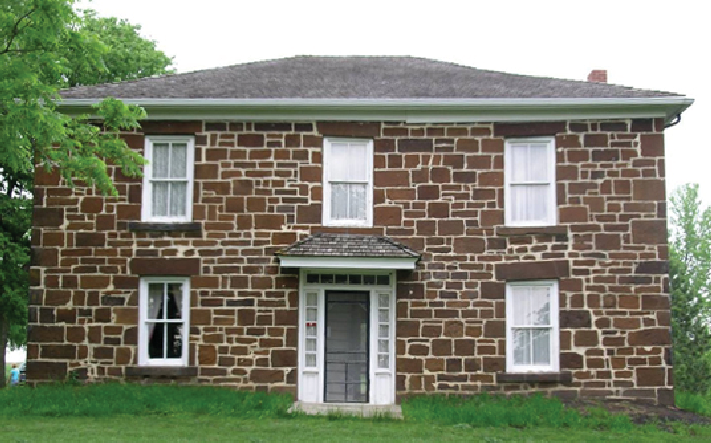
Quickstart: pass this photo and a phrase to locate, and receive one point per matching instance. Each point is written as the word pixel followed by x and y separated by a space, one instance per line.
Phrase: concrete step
pixel 360 410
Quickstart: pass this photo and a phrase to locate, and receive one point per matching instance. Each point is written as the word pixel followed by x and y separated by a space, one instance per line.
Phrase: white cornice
pixel 407 110
pixel 348 262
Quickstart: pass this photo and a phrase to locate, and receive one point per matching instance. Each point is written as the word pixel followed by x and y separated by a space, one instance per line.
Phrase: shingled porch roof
pixel 328 250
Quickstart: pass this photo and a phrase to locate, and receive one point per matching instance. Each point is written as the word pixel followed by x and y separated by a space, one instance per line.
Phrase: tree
pixel 690 282
pixel 44 47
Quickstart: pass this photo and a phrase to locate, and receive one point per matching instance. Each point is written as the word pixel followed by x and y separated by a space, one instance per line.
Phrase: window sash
pixel 145 323
pixel 520 210
pixel 515 293
pixel 348 204
pixel 175 168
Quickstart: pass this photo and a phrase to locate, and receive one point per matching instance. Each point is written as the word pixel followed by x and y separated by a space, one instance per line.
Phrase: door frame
pixel 381 381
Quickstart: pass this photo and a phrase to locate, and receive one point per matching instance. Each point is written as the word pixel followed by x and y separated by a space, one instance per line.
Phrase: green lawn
pixel 208 428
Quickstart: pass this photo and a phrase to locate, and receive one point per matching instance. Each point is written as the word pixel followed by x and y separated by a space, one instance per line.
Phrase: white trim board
pixel 348 262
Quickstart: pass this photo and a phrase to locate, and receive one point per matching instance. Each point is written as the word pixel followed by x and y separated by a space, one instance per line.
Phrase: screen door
pixel 346 377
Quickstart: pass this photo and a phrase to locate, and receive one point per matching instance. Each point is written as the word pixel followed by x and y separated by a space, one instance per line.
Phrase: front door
pixel 346 348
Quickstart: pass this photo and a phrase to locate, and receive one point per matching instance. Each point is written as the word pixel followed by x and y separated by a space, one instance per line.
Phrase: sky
pixel 645 44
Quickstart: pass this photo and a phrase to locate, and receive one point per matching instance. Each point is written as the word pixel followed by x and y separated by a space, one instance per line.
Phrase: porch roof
pixel 348 250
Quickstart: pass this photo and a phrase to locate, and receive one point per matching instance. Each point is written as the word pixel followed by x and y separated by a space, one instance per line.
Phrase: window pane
pixel 341 279
pixel 311 360
pixel 354 279
pixel 156 340
pixel 383 300
pixel 338 162
pixel 178 160
pixel 174 340
pixel 383 361
pixel 529 203
pixel 160 199
pixel 161 152
pixel 383 280
pixel 311 331
pixel 155 301
pixel 540 306
pixel 175 300
pixel 357 161
pixel 538 162
pixel 311 345
pixel 519 163
pixel 312 278
pixel 311 314
pixel 326 278
pixel 177 198
pixel 383 331
pixel 522 346
pixel 383 315
pixel 311 299
pixel 541 347
pixel 383 345
pixel 368 279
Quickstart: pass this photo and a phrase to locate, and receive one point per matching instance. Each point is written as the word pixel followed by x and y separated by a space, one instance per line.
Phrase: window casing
pixel 168 179
pixel 529 182
pixel 348 182
pixel 164 316
pixel 532 332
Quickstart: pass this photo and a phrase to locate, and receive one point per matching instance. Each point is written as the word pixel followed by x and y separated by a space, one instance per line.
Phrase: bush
pixel 698 403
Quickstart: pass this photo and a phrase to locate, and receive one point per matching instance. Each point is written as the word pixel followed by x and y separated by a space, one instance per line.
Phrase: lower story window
pixel 164 321
pixel 532 326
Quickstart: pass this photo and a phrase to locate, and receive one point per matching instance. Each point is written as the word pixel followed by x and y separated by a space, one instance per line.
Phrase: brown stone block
pixel 92 205
pixel 451 227
pixel 655 302
pixel 607 242
pixel 493 290
pixel 574 214
pixel 650 376
pixel 126 316
pixel 128 212
pixel 652 267
pixel 415 145
pixel 585 338
pixel 44 257
pixel 58 352
pixel 468 245
pixel 388 216
pixel 76 334
pixel 57 297
pixel 571 360
pixel 284 317
pixel 94 281
pixel 308 214
pixel 250 140
pixel 442 346
pixel 125 282
pixel 45 334
pixel 410 291
pixel 207 355
pixel 391 179
pixel 495 329
pixel 272 222
pixel 408 328
pixel 652 145
pixel 165 266
pixel 491 179
pixel 409 365
pixel 266 376
pixel 310 174
pixel 45 178
pixel 438 210
pixel 648 190
pixel 44 370
pixel 532 270
pixel 642 125
pixel 283 358
pixel 90 239
pixel 493 364
pixel 207 172
pixel 649 232
pixel 493 217
pixel 575 319
pixel 428 192
pixel 349 129
pixel 595 140
pixel 171 127
pixel 528 129
pixel 47 217
pixel 649 337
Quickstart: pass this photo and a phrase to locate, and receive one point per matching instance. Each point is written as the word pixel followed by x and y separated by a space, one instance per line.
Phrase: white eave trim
pixel 348 262
pixel 408 110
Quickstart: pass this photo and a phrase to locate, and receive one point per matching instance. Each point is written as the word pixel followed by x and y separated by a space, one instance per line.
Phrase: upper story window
pixel 529 180
pixel 168 179
pixel 532 337
pixel 348 182
pixel 165 321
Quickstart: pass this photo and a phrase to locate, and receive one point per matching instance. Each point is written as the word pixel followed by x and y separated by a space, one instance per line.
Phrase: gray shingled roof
pixel 354 77
pixel 348 245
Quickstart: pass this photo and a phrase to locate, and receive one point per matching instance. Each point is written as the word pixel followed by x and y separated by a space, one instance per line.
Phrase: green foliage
pixel 516 411
pixel 44 47
pixel 694 402
pixel 109 399
pixel 690 282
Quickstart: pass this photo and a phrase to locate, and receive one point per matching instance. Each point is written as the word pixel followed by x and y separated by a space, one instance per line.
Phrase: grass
pixel 115 411
pixel 699 403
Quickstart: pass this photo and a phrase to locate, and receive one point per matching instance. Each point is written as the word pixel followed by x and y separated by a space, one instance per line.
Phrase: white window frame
pixel 554 365
pixel 143 336
pixel 147 206
pixel 326 217
pixel 551 216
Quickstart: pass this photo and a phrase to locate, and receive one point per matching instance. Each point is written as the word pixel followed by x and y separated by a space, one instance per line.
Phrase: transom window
pixel 532 326
pixel 168 179
pixel 529 177
pixel 348 182
pixel 349 279
pixel 164 316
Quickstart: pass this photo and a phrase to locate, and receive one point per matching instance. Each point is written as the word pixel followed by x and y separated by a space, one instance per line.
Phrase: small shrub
pixel 698 403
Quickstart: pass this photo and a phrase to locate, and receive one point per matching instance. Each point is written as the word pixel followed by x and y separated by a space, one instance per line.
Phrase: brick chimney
pixel 598 76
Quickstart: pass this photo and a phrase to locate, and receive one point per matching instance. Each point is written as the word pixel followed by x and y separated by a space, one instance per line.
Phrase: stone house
pixel 357 229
